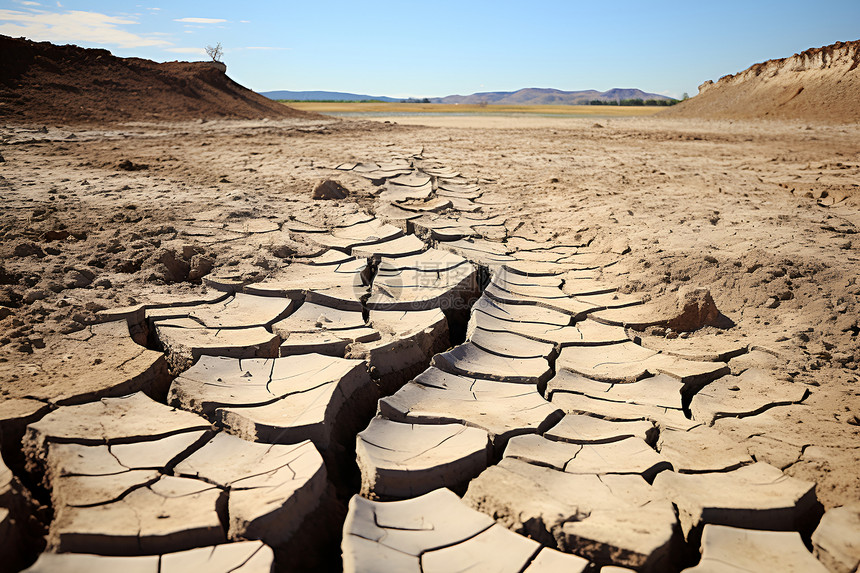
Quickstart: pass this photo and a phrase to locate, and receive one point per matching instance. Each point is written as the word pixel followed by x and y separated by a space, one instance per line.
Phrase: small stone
pixel 201 265
pixel 55 235
pixel 77 279
pixel 328 189
pixel 27 249
pixel 85 271
pixel 771 303
pixel 94 306
pixel 785 295
pixel 282 251
pixel 128 165
pixel 33 295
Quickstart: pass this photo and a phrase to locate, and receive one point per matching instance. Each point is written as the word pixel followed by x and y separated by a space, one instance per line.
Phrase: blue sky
pixel 444 47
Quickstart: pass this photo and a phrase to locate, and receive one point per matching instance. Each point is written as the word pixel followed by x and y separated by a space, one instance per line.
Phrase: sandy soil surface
pixel 764 214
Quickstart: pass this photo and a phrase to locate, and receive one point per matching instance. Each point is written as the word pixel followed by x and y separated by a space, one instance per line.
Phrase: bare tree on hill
pixel 215 52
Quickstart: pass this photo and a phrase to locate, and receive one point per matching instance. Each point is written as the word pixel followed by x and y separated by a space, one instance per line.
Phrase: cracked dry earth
pixel 441 372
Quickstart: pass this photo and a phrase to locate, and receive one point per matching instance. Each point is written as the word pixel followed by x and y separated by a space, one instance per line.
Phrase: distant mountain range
pixel 324 96
pixel 547 96
pixel 526 96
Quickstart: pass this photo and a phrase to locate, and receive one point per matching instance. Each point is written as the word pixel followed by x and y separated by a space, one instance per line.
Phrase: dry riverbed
pixel 763 214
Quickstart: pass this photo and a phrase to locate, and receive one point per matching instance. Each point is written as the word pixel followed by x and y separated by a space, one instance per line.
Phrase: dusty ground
pixel 765 215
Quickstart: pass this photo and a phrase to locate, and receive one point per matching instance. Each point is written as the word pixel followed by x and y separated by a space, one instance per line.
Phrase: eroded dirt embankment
pixel 48 84
pixel 818 85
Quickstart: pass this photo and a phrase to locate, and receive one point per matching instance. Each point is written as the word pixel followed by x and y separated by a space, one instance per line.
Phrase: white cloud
pixel 244 21
pixel 200 20
pixel 74 26
pixel 28 3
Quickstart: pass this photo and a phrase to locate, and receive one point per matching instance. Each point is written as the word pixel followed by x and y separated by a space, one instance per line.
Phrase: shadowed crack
pixel 121 496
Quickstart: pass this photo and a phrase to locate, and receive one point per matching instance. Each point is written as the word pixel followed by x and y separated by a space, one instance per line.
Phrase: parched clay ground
pixel 763 215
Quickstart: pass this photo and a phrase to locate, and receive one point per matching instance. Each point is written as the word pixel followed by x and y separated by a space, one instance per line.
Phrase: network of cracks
pixel 422 389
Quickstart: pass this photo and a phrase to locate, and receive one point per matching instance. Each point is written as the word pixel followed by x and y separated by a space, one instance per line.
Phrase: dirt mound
pixel 820 84
pixel 42 82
